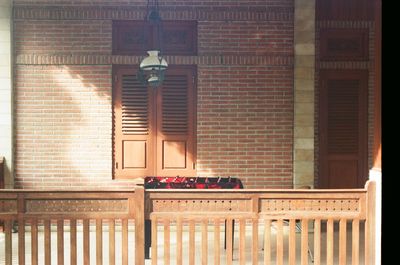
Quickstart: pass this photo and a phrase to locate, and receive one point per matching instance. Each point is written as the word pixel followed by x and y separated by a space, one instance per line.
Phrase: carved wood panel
pixel 8 206
pixel 197 205
pixel 310 205
pixel 133 37
pixel 344 44
pixel 76 206
pixel 345 9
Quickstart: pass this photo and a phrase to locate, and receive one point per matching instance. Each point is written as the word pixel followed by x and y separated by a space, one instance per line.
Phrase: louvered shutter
pixel 154 128
pixel 343 128
pixel 133 132
pixel 343 105
pixel 175 123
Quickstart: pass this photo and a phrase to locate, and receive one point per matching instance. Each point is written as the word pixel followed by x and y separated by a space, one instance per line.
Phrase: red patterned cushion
pixel 157 182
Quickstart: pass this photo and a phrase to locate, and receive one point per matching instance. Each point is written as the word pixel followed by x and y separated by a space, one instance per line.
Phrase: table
pixel 159 182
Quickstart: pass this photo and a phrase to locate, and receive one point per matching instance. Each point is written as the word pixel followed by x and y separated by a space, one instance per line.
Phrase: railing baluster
pixel 191 242
pixel 355 239
pixel 124 241
pixel 47 242
pixel 8 245
pixel 154 241
pixel 217 241
pixel 86 242
pixel 254 246
pixel 60 242
pixel 342 241
pixel 34 242
pixel 72 232
pixel 204 246
pixel 242 241
pixel 292 241
pixel 229 246
pixel 111 239
pixel 329 242
pixel 317 242
pixel 99 242
pixel 179 241
pixel 21 241
pixel 279 243
pixel 304 242
pixel 267 242
pixel 167 241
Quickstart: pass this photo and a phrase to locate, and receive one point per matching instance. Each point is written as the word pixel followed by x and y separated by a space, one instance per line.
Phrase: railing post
pixel 1 186
pixel 139 225
pixel 21 228
pixel 1 172
pixel 370 226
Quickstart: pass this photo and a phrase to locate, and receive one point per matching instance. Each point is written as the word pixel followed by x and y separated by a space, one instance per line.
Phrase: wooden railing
pixel 74 211
pixel 260 217
pixel 1 184
pixel 260 226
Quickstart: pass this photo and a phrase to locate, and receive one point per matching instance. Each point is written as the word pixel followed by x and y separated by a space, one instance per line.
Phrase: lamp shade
pixel 152 68
pixel 153 62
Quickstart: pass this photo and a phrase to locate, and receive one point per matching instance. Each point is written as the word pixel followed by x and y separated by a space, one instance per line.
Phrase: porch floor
pixel 131 243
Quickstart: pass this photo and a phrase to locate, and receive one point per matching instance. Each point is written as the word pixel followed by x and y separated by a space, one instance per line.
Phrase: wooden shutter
pixel 176 124
pixel 343 105
pixel 154 128
pixel 133 132
pixel 343 128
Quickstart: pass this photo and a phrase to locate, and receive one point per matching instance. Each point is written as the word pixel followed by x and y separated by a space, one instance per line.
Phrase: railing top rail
pixel 255 191
pixel 64 191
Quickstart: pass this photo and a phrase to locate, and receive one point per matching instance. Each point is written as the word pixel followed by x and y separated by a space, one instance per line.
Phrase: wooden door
pixel 154 128
pixel 176 124
pixel 343 128
pixel 133 125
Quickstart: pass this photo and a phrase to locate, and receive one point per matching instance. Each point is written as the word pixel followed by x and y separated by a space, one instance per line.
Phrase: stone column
pixel 304 68
pixel 6 135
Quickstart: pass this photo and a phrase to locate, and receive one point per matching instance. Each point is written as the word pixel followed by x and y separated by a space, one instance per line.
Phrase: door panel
pixel 174 154
pixel 134 154
pixel 175 123
pixel 342 173
pixel 343 128
pixel 133 130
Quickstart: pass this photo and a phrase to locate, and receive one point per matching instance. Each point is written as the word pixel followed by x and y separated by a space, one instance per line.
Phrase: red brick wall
pixel 249 38
pixel 64 36
pixel 245 124
pixel 63 87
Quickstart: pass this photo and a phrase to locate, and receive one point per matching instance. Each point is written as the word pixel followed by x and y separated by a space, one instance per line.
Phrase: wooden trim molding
pixel 138 13
pixel 90 59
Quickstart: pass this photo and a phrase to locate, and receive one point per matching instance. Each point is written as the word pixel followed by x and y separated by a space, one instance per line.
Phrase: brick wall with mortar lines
pixel 245 123
pixel 63 91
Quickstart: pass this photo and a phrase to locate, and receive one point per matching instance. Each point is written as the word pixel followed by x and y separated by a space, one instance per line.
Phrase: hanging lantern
pixel 152 68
